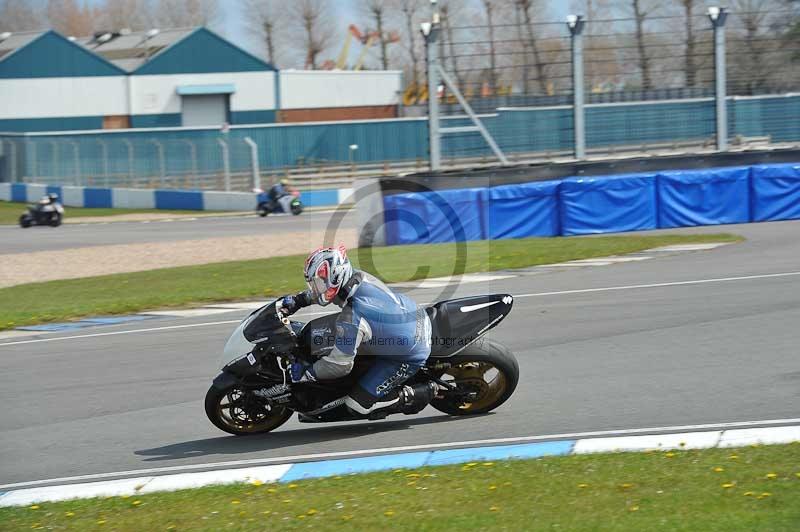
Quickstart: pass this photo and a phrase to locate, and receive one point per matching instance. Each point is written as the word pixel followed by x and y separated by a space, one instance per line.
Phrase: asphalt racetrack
pixel 714 341
pixel 15 240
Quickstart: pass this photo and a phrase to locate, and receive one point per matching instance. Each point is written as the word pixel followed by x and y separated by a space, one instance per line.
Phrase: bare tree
pixel 70 18
pixel 118 14
pixel 449 11
pixel 376 10
pixel 408 11
pixel 691 42
pixel 640 14
pixel 524 8
pixel 20 15
pixel 490 6
pixel 265 19
pixel 314 20
pixel 186 13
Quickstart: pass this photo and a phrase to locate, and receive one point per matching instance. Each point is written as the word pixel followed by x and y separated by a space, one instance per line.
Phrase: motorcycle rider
pixel 374 320
pixel 278 191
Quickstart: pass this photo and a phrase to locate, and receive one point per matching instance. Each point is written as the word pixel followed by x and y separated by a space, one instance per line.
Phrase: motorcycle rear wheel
pixel 24 221
pixel 486 368
pixel 232 411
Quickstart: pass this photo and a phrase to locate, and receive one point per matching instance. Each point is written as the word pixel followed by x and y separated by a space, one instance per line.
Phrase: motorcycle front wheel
pixel 24 221
pixel 238 412
pixel 297 208
pixel 487 370
pixel 55 221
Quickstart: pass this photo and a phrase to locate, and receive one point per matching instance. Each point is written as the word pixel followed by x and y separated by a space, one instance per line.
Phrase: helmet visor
pixel 319 284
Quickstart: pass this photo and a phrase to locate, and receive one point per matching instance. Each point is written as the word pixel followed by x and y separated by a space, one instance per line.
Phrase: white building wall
pixel 157 94
pixel 308 89
pixel 62 97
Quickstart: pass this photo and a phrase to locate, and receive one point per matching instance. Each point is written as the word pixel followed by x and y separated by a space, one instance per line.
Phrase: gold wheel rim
pixel 485 378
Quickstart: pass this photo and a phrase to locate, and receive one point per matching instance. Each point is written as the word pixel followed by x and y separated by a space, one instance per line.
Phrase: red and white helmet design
pixel 326 270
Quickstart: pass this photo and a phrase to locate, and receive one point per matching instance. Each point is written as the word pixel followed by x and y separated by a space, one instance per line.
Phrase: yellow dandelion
pixel 471 464
pixel 430 475
pixel 257 482
pixel 398 471
pixel 36 525
pixel 292 486
pixel 287 501
pixel 719 469
pixel 266 512
pixel 34 507
pixel 171 527
pixel 492 488
pixel 626 486
pixel 494 508
pixel 136 503
pixel 413 475
pixel 797 475
pixel 634 509
pixel 388 513
pixel 487 464
pixel 669 455
pixel 101 522
pixel 271 490
pixel 347 517
pixel 312 511
pixel 734 457
pixel 70 514
pixel 772 475
pixel 125 496
pixel 301 516
pixel 236 501
pixel 766 494
pixel 728 485
pixel 748 493
pixel 583 485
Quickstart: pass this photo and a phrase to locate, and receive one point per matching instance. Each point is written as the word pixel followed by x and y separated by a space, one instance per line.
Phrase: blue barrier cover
pixel 518 211
pixel 94 198
pixel 19 192
pixel 429 217
pixel 179 199
pixel 608 204
pixel 704 197
pixel 775 192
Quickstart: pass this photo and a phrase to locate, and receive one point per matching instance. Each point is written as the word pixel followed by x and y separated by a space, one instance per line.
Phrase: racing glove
pixel 300 372
pixel 291 304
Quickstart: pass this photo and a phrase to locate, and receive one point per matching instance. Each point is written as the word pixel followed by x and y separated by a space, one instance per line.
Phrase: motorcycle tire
pixel 214 403
pixel 24 221
pixel 470 367
pixel 297 209
pixel 55 221
pixel 262 211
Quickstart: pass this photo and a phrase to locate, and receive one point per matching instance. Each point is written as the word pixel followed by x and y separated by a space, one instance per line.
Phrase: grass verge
pixel 11 211
pixel 170 287
pixel 752 488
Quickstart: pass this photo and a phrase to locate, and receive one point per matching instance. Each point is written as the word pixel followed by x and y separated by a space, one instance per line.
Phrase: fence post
pixel 226 164
pixel 130 160
pixel 254 162
pixel 77 151
pixel 717 15
pixel 576 23
pixel 104 151
pixel 31 146
pixel 430 32
pixel 162 167
pixel 193 155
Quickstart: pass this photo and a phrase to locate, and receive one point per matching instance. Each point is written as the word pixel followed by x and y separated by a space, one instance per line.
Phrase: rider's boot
pixel 405 399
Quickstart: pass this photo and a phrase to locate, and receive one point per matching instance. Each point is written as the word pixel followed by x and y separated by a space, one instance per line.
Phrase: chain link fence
pixel 647 83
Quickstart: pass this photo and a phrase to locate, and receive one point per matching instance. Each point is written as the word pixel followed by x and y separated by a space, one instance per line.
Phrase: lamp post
pixel 575 24
pixel 717 16
pixel 430 34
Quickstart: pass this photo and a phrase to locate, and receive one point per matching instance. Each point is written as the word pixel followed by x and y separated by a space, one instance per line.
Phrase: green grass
pixel 709 490
pixel 170 287
pixel 11 211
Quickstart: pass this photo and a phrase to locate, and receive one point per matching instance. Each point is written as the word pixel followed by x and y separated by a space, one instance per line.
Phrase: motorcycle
pixel 51 214
pixel 285 204
pixel 253 394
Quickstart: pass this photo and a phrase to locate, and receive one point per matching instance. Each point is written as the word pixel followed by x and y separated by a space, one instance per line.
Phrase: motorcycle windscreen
pixel 459 322
pixel 262 325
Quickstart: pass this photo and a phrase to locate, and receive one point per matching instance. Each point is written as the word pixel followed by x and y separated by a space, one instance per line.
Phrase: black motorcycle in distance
pixel 254 394
pixel 42 213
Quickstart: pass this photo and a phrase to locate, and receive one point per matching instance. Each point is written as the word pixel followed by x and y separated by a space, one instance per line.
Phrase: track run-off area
pixel 693 339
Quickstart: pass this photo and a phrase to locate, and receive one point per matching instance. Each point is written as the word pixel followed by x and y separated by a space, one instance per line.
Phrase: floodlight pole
pixel 430 31
pixel 575 24
pixel 717 15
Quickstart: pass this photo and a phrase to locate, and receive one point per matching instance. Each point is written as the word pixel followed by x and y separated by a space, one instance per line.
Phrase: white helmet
pixel 326 270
